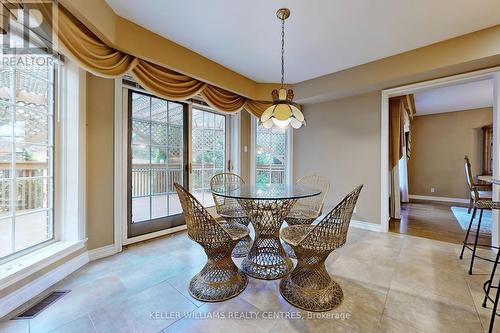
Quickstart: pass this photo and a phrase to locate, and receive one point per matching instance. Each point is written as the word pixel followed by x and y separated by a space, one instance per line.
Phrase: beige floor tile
pixel 14 326
pixel 80 301
pixel 300 325
pixel 361 308
pixel 390 325
pixel 265 295
pixel 475 283
pixel 362 271
pixel 234 315
pixel 181 283
pixel 431 315
pixel 433 283
pixel 80 325
pixel 150 310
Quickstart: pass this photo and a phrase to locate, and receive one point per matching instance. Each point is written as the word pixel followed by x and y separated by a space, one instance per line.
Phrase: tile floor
pixel 391 283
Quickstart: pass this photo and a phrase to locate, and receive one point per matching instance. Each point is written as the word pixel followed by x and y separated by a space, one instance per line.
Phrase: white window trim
pixel 289 138
pixel 69 214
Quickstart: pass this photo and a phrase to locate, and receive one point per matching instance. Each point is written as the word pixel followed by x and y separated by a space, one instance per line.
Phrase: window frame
pixel 69 181
pixel 254 122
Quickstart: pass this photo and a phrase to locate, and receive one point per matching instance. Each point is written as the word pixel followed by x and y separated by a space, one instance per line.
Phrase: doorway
pixel 442 203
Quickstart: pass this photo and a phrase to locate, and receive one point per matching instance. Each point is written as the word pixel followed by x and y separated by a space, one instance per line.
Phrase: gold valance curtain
pixel 399 108
pixel 81 45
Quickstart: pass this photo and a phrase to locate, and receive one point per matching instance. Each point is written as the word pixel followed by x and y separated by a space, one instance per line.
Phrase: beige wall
pixel 342 141
pixel 439 143
pixel 100 108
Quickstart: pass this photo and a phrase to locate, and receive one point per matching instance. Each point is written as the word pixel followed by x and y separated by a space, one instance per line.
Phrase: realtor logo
pixel 26 27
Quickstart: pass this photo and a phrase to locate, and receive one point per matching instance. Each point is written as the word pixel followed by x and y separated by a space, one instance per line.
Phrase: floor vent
pixel 35 309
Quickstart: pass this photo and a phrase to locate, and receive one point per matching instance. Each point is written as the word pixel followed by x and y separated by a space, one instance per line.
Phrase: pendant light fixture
pixel 284 111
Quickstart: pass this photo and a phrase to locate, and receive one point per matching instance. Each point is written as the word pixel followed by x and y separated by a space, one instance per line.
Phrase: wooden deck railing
pixel 163 177
pixel 31 186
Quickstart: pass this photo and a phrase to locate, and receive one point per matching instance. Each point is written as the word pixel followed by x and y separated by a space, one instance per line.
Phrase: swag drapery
pixel 78 43
pixel 401 111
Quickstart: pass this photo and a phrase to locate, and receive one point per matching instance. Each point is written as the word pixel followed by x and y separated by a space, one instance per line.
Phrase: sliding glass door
pixel 157 159
pixel 208 152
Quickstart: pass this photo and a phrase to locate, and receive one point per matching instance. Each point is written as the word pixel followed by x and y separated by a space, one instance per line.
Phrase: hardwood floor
pixel 430 219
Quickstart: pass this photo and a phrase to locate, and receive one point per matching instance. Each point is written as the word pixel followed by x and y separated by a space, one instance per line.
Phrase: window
pixel 157 153
pixel 208 152
pixel 26 153
pixel 272 155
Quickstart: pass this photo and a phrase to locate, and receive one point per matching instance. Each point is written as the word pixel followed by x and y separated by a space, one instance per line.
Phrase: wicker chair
pixel 309 286
pixel 230 210
pixel 220 278
pixel 306 210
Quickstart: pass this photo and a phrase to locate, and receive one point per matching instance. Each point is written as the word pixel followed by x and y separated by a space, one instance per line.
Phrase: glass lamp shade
pixel 282 113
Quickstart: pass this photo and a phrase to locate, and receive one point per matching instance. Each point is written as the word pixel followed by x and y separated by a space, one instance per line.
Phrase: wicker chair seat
pixel 236 231
pixel 487 204
pixel 294 235
pixel 301 215
pixel 233 213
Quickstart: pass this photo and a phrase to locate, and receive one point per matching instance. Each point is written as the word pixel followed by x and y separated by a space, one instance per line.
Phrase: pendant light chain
pixel 282 52
pixel 283 112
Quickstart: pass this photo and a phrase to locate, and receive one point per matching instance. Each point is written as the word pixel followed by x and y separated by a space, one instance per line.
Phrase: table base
pixel 267 259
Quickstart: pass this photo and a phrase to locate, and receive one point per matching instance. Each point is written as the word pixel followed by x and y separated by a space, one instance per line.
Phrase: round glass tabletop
pixel 266 192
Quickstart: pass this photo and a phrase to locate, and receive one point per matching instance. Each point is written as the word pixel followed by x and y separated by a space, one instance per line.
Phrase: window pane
pixel 5 122
pixel 26 146
pixel 31 229
pixel 5 237
pixel 5 83
pixel 208 152
pixel 32 126
pixel 271 155
pixel 32 194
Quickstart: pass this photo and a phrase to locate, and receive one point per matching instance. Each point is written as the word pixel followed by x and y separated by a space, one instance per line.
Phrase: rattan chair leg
pixel 220 279
pixel 309 286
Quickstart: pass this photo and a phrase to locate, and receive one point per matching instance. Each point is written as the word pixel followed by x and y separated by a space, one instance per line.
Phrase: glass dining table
pixel 266 206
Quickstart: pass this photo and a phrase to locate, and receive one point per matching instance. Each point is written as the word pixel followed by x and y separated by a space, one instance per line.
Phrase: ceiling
pixel 461 97
pixel 322 36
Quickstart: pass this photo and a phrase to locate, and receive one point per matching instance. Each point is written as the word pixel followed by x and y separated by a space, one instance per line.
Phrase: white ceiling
pixel 322 36
pixel 467 96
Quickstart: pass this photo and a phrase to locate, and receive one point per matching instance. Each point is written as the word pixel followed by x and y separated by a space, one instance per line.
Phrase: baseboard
pixel 102 252
pixel 27 292
pixel 366 225
pixel 442 199
pixel 152 235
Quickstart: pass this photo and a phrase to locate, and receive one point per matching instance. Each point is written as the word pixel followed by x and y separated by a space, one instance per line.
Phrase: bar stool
pixel 481 201
pixel 488 285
